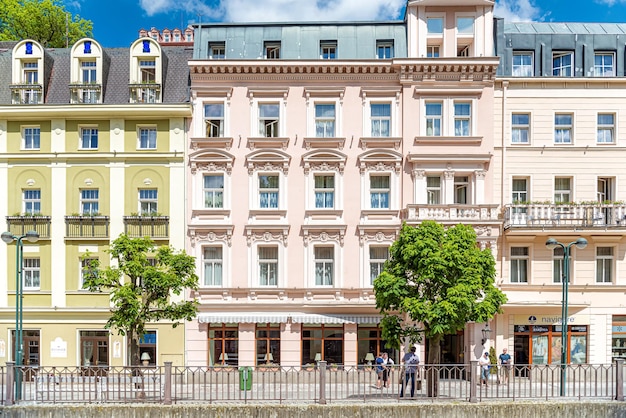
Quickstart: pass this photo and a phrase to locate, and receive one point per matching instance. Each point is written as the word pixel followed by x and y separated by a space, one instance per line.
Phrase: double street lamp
pixel 551 244
pixel 7 237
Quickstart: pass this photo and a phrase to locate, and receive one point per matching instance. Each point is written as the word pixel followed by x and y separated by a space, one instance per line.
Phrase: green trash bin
pixel 245 378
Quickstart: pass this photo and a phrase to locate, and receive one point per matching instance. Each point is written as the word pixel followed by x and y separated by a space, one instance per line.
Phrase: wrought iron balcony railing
pixel 145 93
pixel 26 93
pixel 21 224
pixel 147 226
pixel 86 226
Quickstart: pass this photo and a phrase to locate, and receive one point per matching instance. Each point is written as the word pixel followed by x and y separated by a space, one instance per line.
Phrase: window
pixel 87 270
pixel 557 265
pixel 148 344
pixel 176 37
pixel 325 120
pixel 434 117
pixel 379 191
pixel 461 186
pixel 217 50
pixel 604 265
pixel 147 71
pixel 31 73
pixel 213 266
pixel 325 340
pixel 434 25
pixel 465 25
pixel 94 348
pixel 328 50
pixel 269 120
pixel 272 50
pixel 369 341
pixel 324 266
pixel 380 116
pixel 88 71
pixel 384 49
pixel 519 264
pixel 523 64
pixel 520 190
pixel 606 128
pixel 465 36
pixel 268 266
pixel 31 138
pixel 378 256
pixel 562 64
pixel 603 64
pixel 324 191
pixel 563 128
pixel 223 345
pixel 89 138
pixel 520 127
pixel 214 120
pixel 166 37
pixel 89 202
pixel 267 344
pixel 148 201
pixel 147 138
pixel 433 190
pixel 32 202
pixel 268 191
pixel 462 119
pixel 562 190
pixel 213 191
pixel 31 274
pixel 432 51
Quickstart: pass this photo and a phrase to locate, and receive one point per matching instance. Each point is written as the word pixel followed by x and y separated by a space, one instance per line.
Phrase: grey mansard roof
pixel 116 75
pixel 572 28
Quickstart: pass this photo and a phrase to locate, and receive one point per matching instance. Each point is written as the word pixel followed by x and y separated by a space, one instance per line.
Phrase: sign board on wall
pixel 550 319
pixel 58 348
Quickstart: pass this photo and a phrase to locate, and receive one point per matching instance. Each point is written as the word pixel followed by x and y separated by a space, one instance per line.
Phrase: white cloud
pixel 280 10
pixel 518 10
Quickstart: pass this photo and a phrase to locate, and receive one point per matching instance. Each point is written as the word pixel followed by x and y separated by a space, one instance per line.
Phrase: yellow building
pixel 92 145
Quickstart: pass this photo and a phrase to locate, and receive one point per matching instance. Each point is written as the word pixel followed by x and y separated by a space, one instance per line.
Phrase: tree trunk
pixel 432 367
pixel 133 348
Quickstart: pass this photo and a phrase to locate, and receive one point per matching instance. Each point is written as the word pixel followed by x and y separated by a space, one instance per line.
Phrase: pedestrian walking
pixel 410 360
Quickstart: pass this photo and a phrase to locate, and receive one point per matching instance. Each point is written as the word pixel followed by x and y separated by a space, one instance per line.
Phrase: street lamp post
pixel 7 237
pixel 551 244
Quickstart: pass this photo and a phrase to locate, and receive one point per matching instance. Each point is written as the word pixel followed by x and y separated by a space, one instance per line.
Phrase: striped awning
pixel 281 317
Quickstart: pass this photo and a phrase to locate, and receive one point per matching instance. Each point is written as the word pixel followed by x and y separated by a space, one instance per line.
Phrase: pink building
pixel 309 145
pixel 169 37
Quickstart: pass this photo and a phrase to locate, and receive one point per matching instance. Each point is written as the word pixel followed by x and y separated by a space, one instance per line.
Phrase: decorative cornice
pixel 366 166
pixel 218 233
pixel 337 166
pixel 209 167
pixel 267 233
pixel 267 166
pixel 323 233
pixel 380 235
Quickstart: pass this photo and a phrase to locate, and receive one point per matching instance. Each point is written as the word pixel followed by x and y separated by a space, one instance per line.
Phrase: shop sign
pixel 546 320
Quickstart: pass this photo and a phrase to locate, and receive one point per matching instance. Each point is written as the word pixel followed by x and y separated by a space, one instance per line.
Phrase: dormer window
pixel 145 71
pixel 31 73
pixel 26 75
pixel 86 72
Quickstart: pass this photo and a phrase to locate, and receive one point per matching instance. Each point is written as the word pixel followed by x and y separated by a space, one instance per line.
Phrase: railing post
pixel 472 372
pixel 167 383
pixel 619 379
pixel 10 383
pixel 321 365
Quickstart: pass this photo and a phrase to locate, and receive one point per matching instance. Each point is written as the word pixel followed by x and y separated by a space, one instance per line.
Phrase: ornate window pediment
pixel 214 160
pixel 268 161
pixel 380 160
pixel 324 160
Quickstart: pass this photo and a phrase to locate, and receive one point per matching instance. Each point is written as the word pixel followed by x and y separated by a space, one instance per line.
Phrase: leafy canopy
pixel 45 21
pixel 141 286
pixel 438 278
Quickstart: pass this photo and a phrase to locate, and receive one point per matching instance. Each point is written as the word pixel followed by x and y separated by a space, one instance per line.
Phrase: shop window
pixel 541 344
pixel 148 344
pixel 223 345
pixel 322 342
pixel 369 341
pixel 618 342
pixel 267 344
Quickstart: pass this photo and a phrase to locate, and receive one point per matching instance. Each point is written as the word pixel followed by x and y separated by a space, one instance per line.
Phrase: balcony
pixel 26 93
pixel 21 224
pixel 85 92
pixel 145 93
pixel 452 213
pixel 156 227
pixel 574 216
pixel 87 226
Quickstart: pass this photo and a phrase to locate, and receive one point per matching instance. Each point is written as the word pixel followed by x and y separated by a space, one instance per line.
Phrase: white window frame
pixel 520 195
pixel 264 266
pixel 515 261
pixel 272 50
pixel 603 129
pixel 325 190
pixel 434 39
pixel 31 205
pixel 466 185
pixel 563 70
pixel 148 146
pixel 381 190
pixel 89 130
pixel 329 48
pixel 433 51
pixel 463 119
pixel 254 266
pixel 33 146
pixel 89 200
pixel 563 192
pixel 375 263
pixel 605 262
pixel 465 41
pixel 431 190
pixel 217 50
pixel 522 69
pixel 213 191
pixel 205 262
pixel 312 118
pixel 151 202
pixel 387 47
pixel 431 120
pixel 560 129
pixel 215 122
pixel 448 117
pixel 381 119
pixel 255 118
pixel 31 273
pixel 324 261
pixel 269 191
pixel 325 120
pixel 604 70
pixel 519 128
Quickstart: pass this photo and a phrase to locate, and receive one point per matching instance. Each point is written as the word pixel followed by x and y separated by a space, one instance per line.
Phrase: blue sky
pixel 117 22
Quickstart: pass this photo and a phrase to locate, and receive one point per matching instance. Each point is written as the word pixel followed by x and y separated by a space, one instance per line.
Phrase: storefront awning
pixel 281 317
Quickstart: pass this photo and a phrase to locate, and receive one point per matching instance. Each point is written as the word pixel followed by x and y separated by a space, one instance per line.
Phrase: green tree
pixel 45 21
pixel 436 280
pixel 141 290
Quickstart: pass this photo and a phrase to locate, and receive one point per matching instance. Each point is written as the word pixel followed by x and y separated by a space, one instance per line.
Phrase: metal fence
pixel 320 384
